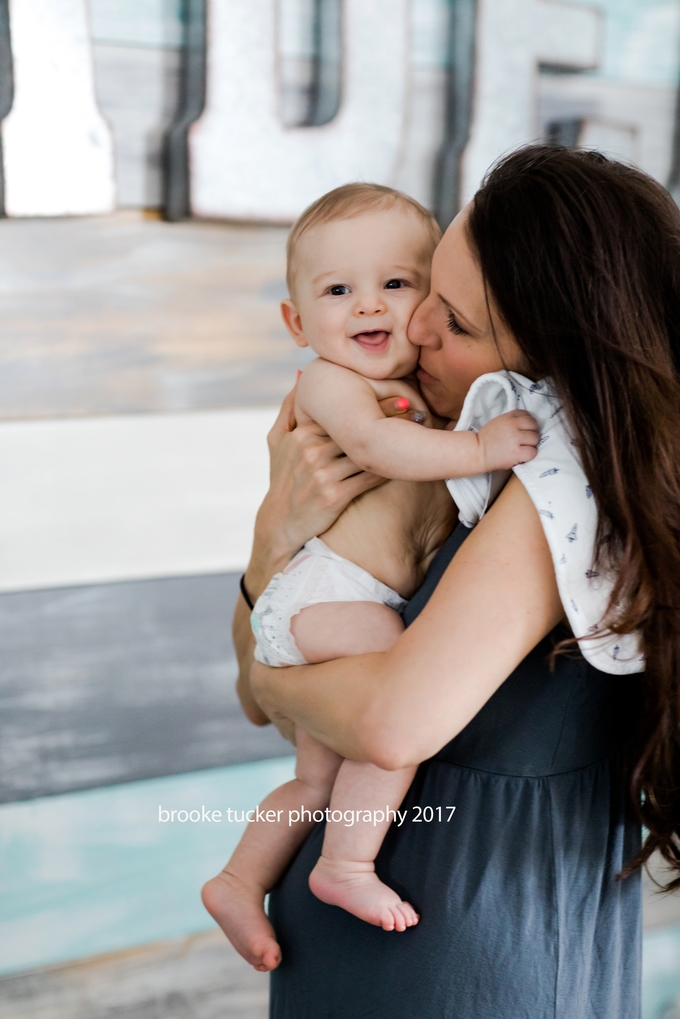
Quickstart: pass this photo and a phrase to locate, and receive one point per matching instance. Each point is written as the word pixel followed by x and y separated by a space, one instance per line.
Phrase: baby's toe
pixel 412 917
pixel 272 957
pixel 407 916
pixel 267 956
pixel 400 921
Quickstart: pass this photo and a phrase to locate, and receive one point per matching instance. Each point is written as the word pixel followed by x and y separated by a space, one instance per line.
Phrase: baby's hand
pixel 508 439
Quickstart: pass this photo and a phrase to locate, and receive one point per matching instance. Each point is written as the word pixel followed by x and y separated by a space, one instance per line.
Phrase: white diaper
pixel 316 574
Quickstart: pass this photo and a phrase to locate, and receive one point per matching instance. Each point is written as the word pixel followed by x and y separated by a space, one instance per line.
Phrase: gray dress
pixel 522 915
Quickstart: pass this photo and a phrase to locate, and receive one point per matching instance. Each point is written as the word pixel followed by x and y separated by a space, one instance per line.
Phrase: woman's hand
pixel 402 398
pixel 311 483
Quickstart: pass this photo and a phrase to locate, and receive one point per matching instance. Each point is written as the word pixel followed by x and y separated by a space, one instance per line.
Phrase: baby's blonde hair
pixel 346 202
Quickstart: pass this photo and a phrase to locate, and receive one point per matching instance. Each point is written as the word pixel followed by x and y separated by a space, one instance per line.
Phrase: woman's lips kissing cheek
pixel 425 377
pixel 374 340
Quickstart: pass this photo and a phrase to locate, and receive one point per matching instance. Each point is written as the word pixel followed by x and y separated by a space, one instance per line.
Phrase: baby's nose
pixel 370 306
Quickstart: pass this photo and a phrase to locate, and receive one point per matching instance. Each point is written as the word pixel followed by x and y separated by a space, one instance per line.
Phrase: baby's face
pixel 357 283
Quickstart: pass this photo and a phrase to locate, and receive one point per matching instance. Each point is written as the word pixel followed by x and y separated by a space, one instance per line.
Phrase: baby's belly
pixel 392 531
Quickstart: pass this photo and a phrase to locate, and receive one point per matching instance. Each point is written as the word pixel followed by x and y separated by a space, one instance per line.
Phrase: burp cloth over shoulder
pixel 563 498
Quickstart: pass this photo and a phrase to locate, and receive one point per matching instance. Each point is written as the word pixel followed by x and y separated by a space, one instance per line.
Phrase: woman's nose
pixel 420 330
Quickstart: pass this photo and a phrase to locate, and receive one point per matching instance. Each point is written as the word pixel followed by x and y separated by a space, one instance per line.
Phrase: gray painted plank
pixel 116 682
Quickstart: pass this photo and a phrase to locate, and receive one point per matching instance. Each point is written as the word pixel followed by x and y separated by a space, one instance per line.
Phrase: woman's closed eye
pixel 455 327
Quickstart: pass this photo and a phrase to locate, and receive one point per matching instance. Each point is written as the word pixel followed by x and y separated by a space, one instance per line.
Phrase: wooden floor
pixel 197 977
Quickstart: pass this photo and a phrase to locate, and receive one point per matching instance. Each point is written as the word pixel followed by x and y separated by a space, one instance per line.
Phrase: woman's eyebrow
pixel 459 314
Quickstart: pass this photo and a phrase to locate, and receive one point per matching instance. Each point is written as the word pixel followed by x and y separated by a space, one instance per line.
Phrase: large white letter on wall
pixel 57 148
pixel 513 38
pixel 245 164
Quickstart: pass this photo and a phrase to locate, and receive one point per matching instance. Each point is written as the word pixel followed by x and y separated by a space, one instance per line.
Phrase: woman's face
pixel 453 329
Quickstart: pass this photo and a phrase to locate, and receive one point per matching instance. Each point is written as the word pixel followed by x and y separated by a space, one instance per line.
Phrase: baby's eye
pixel 338 290
pixel 395 284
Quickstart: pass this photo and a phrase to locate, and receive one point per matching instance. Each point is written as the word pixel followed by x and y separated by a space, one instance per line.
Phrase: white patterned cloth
pixel 560 492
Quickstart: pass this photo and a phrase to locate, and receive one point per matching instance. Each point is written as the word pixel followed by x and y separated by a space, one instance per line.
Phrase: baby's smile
pixel 374 340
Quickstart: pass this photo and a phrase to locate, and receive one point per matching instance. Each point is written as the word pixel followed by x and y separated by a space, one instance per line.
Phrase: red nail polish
pixel 298 374
pixel 402 403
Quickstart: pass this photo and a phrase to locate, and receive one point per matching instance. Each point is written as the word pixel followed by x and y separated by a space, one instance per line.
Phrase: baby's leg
pixel 235 898
pixel 337 629
pixel 345 874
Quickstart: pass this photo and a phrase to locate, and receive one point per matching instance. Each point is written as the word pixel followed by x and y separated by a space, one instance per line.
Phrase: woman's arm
pixel 496 601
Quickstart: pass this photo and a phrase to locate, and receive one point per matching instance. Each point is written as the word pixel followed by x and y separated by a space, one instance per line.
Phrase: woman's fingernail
pixel 402 403
pixel 418 417
pixel 298 374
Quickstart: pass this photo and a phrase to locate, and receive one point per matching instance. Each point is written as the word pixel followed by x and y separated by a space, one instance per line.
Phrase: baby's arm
pixel 346 405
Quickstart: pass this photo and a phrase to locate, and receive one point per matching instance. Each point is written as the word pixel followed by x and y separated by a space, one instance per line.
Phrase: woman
pixel 565 265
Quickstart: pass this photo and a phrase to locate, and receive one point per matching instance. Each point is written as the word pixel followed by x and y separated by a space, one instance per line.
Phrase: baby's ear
pixel 293 322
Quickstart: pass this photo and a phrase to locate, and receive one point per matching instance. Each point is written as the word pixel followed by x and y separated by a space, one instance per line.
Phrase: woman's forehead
pixel 456 274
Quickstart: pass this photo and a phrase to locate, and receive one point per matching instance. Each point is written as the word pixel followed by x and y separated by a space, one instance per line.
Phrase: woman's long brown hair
pixel 581 257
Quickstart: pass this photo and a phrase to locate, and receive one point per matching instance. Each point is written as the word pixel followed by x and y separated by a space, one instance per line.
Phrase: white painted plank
pixel 102 499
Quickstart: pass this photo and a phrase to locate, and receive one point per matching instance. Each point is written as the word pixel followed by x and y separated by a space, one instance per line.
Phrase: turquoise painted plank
pixel 661 974
pixel 95 871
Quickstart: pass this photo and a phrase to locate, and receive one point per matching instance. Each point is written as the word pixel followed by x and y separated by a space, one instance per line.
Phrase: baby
pixel 358 267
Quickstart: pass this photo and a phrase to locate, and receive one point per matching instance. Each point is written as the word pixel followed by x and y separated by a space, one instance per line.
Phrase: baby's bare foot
pixel 357 888
pixel 239 910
